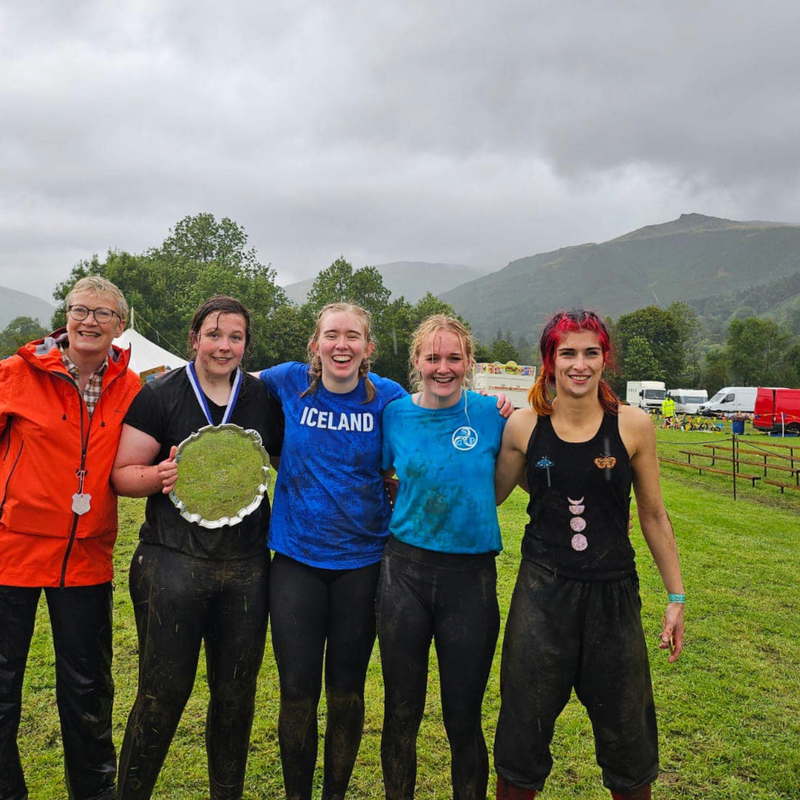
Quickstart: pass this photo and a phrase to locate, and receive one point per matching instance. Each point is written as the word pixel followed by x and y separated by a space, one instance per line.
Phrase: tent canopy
pixel 146 354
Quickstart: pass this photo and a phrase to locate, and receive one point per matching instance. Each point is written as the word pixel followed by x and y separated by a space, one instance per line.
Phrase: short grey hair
pixel 94 284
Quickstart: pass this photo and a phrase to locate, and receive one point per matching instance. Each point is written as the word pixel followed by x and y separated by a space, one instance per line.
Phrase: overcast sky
pixel 466 132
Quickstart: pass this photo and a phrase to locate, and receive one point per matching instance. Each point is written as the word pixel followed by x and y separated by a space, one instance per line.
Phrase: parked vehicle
pixel 730 400
pixel 688 401
pixel 777 410
pixel 511 379
pixel 648 395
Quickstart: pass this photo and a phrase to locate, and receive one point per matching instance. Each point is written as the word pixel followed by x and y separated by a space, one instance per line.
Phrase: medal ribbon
pixel 201 398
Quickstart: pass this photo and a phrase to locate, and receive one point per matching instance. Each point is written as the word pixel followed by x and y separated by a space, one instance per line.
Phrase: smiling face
pixel 219 345
pixel 342 345
pixel 89 340
pixel 442 366
pixel 579 364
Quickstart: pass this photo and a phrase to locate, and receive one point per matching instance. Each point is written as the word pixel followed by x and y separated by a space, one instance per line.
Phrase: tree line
pixel 202 256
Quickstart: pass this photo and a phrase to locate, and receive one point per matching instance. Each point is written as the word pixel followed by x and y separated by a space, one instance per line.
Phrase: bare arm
pixel 134 474
pixel 638 432
pixel 510 467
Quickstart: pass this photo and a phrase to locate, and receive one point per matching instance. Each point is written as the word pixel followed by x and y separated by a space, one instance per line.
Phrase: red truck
pixel 777 410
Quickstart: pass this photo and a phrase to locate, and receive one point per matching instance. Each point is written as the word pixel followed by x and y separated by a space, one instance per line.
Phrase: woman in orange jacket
pixel 62 402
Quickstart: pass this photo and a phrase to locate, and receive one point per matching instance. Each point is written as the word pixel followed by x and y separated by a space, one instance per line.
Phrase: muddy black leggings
pixel 320 613
pixel 179 602
pixel 587 635
pixel 451 599
pixel 80 619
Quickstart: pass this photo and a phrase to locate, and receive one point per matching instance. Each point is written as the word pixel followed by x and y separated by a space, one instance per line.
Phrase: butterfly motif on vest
pixel 605 462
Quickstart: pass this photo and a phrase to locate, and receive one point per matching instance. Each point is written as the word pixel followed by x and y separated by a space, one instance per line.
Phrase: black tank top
pixel 580 499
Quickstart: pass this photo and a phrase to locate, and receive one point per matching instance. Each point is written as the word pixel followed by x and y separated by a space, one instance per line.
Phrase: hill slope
pixel 692 257
pixel 19 304
pixel 412 279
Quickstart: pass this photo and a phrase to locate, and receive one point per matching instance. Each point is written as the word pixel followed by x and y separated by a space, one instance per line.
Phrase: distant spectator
pixel 668 409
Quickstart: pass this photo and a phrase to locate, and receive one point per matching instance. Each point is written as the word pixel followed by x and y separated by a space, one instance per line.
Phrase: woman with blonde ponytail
pixel 329 525
pixel 438 577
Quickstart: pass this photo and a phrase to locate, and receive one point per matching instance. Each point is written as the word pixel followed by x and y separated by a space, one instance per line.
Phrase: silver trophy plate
pixel 223 474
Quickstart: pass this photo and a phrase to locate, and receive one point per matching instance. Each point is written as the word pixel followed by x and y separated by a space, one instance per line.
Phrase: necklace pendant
pixel 81 503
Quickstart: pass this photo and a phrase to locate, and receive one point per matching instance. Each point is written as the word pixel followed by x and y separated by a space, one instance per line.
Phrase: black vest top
pixel 580 500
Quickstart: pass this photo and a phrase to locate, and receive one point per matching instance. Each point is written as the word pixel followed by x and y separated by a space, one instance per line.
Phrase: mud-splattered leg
pixel 234 650
pixel 169 603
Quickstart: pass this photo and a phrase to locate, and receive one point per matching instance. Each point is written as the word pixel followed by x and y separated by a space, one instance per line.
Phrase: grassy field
pixel 729 709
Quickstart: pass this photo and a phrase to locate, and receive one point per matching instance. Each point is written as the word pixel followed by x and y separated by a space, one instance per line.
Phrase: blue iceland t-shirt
pixel 444 459
pixel 330 509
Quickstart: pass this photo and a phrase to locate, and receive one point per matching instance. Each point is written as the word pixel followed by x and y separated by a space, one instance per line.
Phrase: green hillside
pixel 19 304
pixel 778 300
pixel 689 258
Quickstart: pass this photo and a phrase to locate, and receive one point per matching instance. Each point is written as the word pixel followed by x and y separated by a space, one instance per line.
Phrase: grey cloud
pixel 387 131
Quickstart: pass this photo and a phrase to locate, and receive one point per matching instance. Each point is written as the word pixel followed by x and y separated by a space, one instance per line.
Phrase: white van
pixel 688 401
pixel 731 400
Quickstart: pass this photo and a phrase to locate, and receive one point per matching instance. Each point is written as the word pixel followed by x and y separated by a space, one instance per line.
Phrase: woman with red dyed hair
pixel 575 614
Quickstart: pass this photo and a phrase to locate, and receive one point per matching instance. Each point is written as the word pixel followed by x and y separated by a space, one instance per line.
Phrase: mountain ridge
pixel 691 257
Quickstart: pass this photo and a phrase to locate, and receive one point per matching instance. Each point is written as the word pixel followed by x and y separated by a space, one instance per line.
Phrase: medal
pixel 81 503
pixel 201 398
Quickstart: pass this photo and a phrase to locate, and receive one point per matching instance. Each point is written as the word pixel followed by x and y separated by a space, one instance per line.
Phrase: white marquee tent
pixel 144 353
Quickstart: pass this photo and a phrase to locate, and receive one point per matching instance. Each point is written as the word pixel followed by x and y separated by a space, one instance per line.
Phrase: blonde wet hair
pixel 433 324
pixel 314 360
pixel 96 285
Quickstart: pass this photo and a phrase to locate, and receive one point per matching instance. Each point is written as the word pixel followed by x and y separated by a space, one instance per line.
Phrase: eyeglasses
pixel 101 315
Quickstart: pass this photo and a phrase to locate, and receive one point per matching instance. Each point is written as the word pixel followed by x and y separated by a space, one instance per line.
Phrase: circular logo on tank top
pixel 465 438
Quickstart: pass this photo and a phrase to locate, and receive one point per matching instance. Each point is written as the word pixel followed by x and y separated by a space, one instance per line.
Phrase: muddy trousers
pixel 80 619
pixel 451 599
pixel 561 634
pixel 321 613
pixel 180 601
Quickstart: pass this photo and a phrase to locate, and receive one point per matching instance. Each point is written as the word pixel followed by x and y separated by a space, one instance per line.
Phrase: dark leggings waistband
pixel 434 558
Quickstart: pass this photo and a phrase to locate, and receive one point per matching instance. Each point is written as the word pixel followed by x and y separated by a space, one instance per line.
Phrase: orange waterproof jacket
pixel 46 439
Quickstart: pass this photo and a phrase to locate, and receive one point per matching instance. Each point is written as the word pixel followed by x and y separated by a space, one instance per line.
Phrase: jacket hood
pixel 45 351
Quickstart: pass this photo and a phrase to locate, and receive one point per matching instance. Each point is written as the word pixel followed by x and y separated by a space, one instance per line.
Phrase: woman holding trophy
pixel 193 584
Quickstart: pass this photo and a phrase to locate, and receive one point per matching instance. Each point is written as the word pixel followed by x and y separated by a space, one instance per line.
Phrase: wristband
pixel 676 598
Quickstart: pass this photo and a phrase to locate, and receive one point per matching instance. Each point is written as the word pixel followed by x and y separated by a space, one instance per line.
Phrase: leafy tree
pixel 688 326
pixel 756 349
pixel 716 370
pixel 340 283
pixel 483 353
pixel 18 332
pixel 503 351
pixel 790 369
pixel 660 331
pixel 200 257
pixel 640 362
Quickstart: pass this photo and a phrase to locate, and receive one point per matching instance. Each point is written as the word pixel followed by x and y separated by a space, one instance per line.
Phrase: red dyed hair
pixel 556 329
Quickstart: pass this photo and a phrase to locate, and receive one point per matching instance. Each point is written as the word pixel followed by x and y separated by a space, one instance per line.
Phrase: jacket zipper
pixel 82 471
pixel 8 480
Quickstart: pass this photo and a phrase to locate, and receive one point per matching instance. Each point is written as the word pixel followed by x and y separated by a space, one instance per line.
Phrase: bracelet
pixel 676 598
